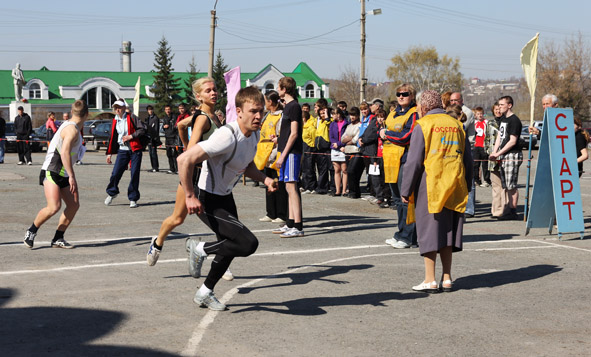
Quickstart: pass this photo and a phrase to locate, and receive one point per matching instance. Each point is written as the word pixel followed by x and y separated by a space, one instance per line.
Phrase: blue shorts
pixel 290 170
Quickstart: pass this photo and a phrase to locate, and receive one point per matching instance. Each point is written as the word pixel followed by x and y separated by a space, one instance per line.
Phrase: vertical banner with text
pixel 557 169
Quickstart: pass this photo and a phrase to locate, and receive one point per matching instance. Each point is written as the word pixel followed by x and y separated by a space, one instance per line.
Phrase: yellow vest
pixel 309 132
pixel 265 145
pixel 322 138
pixel 445 142
pixel 392 153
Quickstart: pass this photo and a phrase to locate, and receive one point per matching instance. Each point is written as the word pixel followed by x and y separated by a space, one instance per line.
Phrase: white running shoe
pixel 228 275
pixel 153 253
pixel 368 198
pixel 109 199
pixel 195 260
pixel 281 230
pixel 132 204
pixel 208 300
pixel 400 244
pixel 293 233
pixel 390 241
pixel 61 243
pixel 266 219
pixel 278 220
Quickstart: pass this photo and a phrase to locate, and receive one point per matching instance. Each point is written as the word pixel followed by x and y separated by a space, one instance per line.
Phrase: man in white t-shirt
pixel 226 155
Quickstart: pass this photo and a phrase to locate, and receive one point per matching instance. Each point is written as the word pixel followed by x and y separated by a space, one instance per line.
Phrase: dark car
pixel 88 129
pixel 39 139
pixel 525 139
pixel 101 135
pixel 10 145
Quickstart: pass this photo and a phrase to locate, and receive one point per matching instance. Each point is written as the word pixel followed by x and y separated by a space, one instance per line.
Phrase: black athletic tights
pixel 234 239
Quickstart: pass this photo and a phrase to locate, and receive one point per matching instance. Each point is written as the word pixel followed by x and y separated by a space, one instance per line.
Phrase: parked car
pixel 88 129
pixel 40 139
pixel 101 135
pixel 525 139
pixel 10 145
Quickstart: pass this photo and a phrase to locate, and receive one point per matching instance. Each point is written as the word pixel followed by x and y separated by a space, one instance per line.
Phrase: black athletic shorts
pixel 60 181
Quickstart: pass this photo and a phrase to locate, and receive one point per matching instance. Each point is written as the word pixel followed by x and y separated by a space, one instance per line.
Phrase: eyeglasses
pixel 402 94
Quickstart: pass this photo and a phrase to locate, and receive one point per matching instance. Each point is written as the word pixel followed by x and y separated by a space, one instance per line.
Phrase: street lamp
pixel 362 79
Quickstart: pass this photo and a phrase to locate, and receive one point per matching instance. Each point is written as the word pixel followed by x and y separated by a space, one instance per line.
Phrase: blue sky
pixel 487 36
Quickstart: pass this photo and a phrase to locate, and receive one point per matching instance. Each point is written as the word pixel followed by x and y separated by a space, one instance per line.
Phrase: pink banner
pixel 232 78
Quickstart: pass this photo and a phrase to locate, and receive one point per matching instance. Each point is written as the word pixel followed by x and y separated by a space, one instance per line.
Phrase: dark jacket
pixel 171 131
pixel 23 125
pixel 153 129
pixel 370 138
pixel 135 128
pixel 2 127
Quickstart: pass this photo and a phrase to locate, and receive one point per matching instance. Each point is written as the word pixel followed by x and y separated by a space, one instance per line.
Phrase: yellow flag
pixel 529 61
pixel 136 98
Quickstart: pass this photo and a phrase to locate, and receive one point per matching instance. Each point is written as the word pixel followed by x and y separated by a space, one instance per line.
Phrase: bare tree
pixel 566 72
pixel 424 69
pixel 346 88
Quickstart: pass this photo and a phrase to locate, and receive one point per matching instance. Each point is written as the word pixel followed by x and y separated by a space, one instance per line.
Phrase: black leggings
pixel 233 238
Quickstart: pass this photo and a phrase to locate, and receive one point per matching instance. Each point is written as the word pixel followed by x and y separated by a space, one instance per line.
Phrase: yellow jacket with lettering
pixel 309 132
pixel 445 142
pixel 394 146
pixel 322 141
pixel 270 126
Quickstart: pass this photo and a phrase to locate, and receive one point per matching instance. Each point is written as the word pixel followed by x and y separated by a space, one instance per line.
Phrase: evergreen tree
pixel 219 68
pixel 165 89
pixel 189 97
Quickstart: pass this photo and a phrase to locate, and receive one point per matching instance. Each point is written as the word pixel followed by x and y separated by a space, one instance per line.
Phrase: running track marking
pixel 321 250
pixel 199 332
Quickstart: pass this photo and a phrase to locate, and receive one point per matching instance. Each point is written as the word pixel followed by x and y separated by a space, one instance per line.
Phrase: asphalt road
pixel 338 291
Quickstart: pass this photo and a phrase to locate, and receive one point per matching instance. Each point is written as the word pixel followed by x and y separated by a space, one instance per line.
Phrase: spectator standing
pixel 581 141
pixel 436 153
pixel 221 116
pixel 322 149
pixel 396 136
pixel 125 143
pixel 276 202
pixel 182 115
pixel 170 139
pixel 337 156
pixel 290 147
pixel 153 129
pixel 355 165
pixel 479 153
pixel 309 180
pixel 498 206
pixel 50 127
pixel 456 98
pixel 23 128
pixel 507 150
pixel 383 194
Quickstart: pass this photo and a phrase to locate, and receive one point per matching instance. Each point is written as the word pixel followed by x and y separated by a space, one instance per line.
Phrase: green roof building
pixel 47 90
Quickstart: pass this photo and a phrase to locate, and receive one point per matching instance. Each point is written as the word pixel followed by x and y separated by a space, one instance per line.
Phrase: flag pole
pixel 529 61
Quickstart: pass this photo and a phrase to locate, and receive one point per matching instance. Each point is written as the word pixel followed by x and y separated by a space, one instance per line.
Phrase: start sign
pixel 557 169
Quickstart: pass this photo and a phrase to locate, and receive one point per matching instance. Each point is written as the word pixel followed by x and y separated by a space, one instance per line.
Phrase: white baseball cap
pixel 120 103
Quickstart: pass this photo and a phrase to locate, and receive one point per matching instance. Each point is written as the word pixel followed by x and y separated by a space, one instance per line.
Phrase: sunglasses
pixel 403 94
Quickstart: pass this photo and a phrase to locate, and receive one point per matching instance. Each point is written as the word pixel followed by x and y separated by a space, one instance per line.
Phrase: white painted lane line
pixel 566 246
pixel 309 251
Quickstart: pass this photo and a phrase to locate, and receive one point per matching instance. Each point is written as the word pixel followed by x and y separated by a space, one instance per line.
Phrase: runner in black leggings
pixel 227 155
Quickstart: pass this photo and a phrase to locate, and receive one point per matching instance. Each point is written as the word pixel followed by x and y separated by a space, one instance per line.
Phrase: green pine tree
pixel 165 90
pixel 219 68
pixel 188 91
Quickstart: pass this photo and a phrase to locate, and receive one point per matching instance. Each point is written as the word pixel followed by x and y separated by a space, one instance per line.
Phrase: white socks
pixel 200 249
pixel 204 290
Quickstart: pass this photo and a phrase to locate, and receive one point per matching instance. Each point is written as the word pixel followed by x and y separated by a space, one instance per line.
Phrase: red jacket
pixel 135 128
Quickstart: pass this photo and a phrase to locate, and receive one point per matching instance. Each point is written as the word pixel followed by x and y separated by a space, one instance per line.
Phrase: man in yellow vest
pixel 438 171
pixel 399 128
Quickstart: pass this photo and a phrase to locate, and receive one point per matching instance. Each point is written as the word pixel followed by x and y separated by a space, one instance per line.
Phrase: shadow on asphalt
pixel 37 331
pixel 505 277
pixel 486 237
pixel 314 306
pixel 305 278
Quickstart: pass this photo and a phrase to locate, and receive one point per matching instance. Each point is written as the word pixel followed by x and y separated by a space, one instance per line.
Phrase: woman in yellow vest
pixel 437 170
pixel 276 202
pixel 400 125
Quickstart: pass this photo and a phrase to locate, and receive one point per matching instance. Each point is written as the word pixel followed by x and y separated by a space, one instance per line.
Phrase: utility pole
pixel 362 79
pixel 211 40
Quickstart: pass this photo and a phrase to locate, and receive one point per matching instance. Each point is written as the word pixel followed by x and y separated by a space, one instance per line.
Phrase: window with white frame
pixel 108 98
pixel 309 91
pixel 35 91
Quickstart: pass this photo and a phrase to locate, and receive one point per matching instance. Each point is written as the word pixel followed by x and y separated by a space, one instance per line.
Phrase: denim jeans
pixel 2 150
pixel 121 164
pixel 406 232
pixel 471 200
